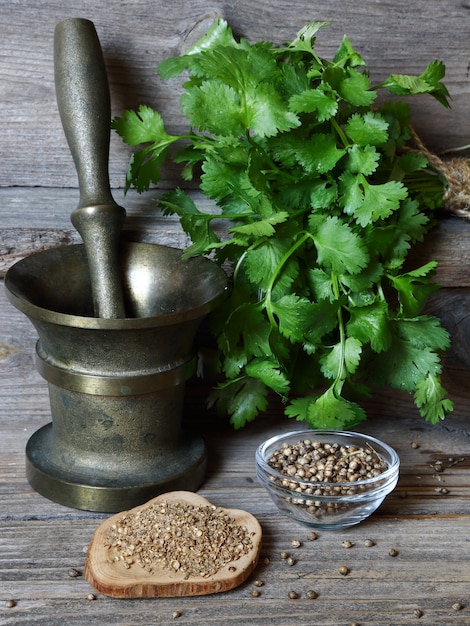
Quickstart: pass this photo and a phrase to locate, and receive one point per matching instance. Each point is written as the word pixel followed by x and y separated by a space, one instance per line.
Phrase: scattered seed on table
pixel 176 614
pixel 255 593
pixel 295 543
pixel 393 552
pixel 343 570
pixel 284 555
pixel 442 490
pixel 415 445
pixel 347 544
pixel 369 543
pixel 293 595
pixel 74 572
pixel 258 583
pixel 312 536
pixel 418 613
pixel 457 606
pixel 312 595
pixel 438 466
pixel 91 596
pixel 10 603
pixel 290 561
pixel 267 561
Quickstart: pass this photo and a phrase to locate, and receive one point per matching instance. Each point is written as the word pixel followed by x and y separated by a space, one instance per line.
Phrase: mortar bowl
pixel 116 386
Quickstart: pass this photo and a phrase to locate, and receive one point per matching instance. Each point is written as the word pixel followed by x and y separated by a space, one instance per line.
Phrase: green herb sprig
pixel 323 203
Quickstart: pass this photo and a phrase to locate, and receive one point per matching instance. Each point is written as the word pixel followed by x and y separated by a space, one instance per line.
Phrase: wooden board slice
pixel 112 579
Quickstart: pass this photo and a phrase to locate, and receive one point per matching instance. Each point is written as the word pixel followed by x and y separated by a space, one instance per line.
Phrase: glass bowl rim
pixel 386 476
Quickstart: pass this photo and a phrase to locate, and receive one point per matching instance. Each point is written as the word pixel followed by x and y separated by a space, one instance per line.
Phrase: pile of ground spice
pixel 180 537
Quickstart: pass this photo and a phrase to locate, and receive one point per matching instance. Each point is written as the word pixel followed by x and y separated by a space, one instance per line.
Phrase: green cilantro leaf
pixel 370 324
pixel 270 373
pixel 356 89
pixel 326 411
pixel 202 105
pixel 242 399
pixel 363 159
pixel 430 398
pixel 367 129
pixel 341 359
pixel 427 82
pixel 193 221
pixel 319 154
pixel 305 38
pixel 347 56
pixel 144 126
pixel 338 247
pixel 294 316
pixel 414 287
pixel 266 260
pixel 379 201
pixel 323 101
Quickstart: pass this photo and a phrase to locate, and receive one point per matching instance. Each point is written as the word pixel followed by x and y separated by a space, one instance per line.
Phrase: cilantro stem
pixel 283 261
pixel 340 132
pixel 342 333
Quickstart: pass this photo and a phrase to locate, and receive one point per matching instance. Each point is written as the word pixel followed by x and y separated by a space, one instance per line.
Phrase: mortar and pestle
pixel 116 325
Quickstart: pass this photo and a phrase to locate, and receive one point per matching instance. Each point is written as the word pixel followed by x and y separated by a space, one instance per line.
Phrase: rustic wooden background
pixel 38 192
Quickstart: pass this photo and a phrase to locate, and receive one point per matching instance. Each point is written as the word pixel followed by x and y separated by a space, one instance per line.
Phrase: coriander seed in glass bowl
pixel 325 478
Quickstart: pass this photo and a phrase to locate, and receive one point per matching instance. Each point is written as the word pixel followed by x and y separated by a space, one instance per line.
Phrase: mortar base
pixel 125 492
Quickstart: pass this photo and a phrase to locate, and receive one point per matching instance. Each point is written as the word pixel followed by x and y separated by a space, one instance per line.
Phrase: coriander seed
pixel 295 543
pixel 284 555
pixel 10 603
pixel 74 572
pixel 258 583
pixel 290 561
pixel 293 595
pixel 255 593
pixel 457 606
pixel 369 543
pixel 176 614
pixel 347 544
pixel 418 613
pixel 343 570
pixel 91 597
pixel 312 595
pixel 312 536
pixel 393 552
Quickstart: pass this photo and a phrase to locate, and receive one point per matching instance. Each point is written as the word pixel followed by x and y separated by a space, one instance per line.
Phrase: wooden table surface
pixel 426 519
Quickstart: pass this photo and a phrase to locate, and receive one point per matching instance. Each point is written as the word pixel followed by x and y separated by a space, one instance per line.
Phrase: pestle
pixel 84 104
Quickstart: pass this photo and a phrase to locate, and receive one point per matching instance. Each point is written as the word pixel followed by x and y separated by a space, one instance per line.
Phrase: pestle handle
pixel 83 99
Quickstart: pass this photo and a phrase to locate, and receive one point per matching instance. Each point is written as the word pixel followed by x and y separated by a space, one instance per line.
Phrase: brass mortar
pixel 116 325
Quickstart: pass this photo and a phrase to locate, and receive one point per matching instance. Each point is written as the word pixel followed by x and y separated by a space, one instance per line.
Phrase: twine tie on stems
pixel 457 173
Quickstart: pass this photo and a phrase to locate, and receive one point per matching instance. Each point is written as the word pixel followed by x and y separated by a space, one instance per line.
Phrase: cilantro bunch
pixel 322 203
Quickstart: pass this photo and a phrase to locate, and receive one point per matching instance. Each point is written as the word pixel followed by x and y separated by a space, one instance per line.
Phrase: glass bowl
pixel 307 496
